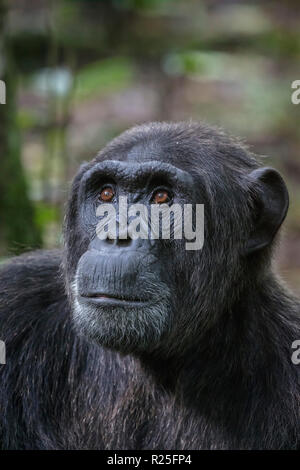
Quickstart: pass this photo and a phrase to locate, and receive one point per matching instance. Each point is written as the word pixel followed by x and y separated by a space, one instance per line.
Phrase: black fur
pixel 221 379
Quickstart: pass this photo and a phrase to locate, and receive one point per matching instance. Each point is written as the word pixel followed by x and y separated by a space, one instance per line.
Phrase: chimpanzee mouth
pixel 103 299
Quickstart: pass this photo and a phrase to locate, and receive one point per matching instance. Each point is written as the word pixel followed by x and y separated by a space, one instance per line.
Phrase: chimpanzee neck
pixel 239 338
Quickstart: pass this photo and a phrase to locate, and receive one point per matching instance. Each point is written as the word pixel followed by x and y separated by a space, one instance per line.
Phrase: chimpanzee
pixel 140 343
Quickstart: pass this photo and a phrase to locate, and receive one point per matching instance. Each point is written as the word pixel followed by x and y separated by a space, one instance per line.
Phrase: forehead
pixel 149 149
pixel 146 152
pixel 145 158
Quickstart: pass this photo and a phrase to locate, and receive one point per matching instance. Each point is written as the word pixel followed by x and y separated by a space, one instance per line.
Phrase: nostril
pixel 124 241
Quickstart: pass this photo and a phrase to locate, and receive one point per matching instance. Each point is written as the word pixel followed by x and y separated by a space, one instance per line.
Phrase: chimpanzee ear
pixel 271 201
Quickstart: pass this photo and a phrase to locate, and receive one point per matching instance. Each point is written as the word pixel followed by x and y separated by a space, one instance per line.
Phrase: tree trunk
pixel 18 230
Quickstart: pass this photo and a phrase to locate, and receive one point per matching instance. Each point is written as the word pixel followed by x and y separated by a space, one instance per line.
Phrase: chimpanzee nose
pixel 119 243
pixel 122 239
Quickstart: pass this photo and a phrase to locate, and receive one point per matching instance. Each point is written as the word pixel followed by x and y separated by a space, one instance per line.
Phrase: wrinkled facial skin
pixel 123 289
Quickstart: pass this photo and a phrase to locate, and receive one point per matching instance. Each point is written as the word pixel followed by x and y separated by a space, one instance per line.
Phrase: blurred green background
pixel 80 72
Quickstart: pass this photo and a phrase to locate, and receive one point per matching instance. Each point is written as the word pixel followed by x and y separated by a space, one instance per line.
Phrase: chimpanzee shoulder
pixel 35 273
pixel 50 371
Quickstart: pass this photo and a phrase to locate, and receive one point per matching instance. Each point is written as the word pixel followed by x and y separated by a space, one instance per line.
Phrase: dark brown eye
pixel 107 194
pixel 161 197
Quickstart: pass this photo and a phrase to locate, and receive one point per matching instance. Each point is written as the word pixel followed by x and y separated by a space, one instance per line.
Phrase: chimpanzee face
pixel 124 283
pixel 135 289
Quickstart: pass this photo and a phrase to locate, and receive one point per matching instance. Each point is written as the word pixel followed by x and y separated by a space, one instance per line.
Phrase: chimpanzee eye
pixel 107 194
pixel 161 196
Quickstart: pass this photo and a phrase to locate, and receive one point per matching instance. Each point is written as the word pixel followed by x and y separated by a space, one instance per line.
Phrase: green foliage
pixel 103 76
pixel 45 214
pixel 26 119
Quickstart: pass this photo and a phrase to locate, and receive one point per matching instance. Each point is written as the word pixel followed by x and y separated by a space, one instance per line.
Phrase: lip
pixel 102 299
